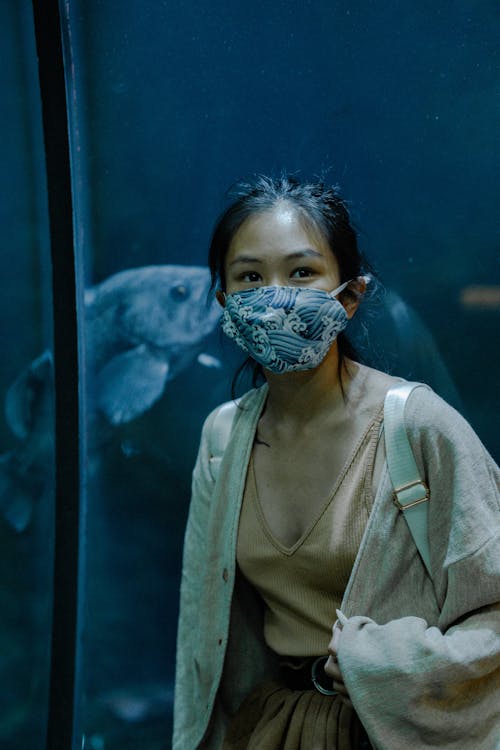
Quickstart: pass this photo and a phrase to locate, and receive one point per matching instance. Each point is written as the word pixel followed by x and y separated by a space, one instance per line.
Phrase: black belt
pixel 309 674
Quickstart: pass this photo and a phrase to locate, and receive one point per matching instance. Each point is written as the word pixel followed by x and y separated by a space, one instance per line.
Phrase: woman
pixel 295 527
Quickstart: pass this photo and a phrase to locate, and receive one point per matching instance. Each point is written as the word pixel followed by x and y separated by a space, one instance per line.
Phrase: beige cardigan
pixel 420 657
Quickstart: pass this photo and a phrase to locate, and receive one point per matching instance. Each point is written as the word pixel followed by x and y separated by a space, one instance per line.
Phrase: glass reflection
pixel 26 392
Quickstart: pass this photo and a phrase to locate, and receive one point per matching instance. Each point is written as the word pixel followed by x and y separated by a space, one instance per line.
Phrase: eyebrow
pixel 305 253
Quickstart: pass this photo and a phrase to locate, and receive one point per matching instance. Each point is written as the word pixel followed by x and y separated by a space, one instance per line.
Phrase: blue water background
pixel 396 102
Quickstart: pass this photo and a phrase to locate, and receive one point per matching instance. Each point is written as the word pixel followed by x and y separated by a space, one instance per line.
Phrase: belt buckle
pixel 319 687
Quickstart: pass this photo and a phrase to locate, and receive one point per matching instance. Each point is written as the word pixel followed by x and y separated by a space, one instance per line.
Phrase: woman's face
pixel 274 248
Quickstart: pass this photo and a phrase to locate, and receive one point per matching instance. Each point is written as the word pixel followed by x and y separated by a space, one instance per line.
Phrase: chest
pixel 295 481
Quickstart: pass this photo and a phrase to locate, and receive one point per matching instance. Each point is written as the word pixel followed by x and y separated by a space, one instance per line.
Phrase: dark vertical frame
pixel 61 733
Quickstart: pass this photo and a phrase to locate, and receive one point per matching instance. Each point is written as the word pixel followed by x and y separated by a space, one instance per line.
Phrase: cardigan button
pixel 225 575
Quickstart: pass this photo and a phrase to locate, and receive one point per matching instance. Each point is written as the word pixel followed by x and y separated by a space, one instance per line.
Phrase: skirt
pixel 275 717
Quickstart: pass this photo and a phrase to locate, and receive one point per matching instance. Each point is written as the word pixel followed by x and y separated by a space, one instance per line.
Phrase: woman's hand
pixel 332 667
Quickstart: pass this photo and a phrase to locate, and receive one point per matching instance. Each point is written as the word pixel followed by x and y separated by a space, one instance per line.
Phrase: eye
pixel 302 273
pixel 249 276
pixel 179 292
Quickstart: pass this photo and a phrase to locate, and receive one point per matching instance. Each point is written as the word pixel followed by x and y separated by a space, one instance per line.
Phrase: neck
pixel 302 396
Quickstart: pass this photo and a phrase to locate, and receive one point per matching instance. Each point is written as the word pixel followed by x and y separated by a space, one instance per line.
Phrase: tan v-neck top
pixel 303 585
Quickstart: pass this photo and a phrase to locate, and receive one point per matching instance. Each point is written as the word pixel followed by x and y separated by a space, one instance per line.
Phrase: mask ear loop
pixel 340 288
pixel 343 286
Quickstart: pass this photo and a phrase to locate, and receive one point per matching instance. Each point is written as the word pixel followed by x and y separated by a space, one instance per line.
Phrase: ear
pixel 352 300
pixel 220 297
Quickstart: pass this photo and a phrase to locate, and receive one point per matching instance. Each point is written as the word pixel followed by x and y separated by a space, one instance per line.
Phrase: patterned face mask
pixel 285 328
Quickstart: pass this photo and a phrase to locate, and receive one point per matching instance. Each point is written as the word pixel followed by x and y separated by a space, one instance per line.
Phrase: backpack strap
pixel 411 494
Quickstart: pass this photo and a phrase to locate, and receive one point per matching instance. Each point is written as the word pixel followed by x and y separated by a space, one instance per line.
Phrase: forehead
pixel 278 231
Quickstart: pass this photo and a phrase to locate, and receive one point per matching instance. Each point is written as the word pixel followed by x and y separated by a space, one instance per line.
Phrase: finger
pixel 343 620
pixel 332 668
pixel 335 642
pixel 340 688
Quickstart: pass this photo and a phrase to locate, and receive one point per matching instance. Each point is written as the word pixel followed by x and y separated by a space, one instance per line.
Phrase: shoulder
pixel 218 426
pixel 427 414
pixel 375 382
pixel 228 410
pixel 220 422
pixel 450 449
pixel 368 387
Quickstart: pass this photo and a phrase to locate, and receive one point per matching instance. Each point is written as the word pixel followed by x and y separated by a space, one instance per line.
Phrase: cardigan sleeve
pixel 427 685
pixel 186 681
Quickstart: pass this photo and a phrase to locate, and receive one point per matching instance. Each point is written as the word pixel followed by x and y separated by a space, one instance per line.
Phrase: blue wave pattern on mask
pixel 284 328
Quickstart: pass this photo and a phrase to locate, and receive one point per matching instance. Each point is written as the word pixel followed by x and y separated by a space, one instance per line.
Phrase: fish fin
pixel 208 360
pixel 130 384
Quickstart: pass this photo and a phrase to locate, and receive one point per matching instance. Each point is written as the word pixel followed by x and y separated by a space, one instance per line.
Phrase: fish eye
pixel 179 292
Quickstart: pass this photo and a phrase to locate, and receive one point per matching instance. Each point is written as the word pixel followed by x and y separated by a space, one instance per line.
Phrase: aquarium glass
pixel 26 393
pixel 171 104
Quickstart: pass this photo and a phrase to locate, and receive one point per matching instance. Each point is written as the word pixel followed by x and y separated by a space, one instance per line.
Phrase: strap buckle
pixel 406 506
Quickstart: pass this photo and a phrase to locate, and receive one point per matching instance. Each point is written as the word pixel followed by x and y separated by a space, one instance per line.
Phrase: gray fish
pixel 143 327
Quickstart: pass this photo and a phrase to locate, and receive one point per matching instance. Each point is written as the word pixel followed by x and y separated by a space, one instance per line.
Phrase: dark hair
pixel 318 206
